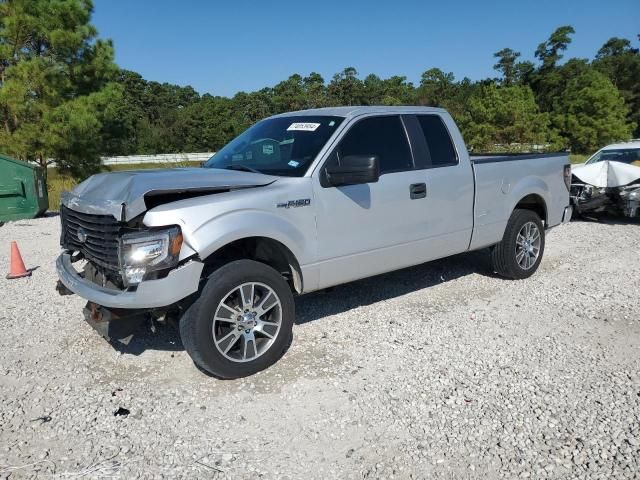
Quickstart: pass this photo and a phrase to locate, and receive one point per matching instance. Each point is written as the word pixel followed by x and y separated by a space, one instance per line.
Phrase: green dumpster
pixel 23 190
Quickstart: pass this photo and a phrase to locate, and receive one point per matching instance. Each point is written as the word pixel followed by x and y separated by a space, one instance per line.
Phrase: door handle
pixel 417 190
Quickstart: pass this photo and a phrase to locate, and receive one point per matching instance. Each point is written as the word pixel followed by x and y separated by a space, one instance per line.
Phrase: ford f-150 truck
pixel 299 202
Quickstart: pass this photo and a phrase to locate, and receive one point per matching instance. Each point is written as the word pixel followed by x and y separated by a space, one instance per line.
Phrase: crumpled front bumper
pixel 178 284
pixel 567 214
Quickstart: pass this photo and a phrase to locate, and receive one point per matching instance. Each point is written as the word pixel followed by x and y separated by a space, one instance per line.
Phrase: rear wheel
pixel 519 253
pixel 242 322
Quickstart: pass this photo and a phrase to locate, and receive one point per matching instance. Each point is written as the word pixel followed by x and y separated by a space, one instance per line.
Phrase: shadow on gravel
pixel 165 338
pixel 607 219
pixel 316 306
pixel 342 298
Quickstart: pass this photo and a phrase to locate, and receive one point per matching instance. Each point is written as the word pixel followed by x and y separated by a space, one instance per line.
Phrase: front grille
pixel 101 234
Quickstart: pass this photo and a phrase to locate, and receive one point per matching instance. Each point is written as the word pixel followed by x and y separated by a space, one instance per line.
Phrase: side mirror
pixel 354 170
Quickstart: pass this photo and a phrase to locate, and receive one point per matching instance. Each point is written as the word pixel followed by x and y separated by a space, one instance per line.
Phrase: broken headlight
pixel 634 195
pixel 144 252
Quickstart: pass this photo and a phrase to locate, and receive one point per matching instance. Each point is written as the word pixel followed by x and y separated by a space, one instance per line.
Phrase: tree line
pixel 63 98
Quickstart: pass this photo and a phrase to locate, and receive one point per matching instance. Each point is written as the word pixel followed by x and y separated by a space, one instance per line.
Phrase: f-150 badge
pixel 303 202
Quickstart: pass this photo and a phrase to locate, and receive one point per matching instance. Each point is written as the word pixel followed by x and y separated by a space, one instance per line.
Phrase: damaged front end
pixel 614 200
pixel 606 187
pixel 129 271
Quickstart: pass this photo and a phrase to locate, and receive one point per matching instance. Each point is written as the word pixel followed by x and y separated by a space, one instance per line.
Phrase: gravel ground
pixel 438 371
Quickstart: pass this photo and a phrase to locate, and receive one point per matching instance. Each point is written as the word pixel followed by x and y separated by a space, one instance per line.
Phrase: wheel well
pixel 536 204
pixel 261 249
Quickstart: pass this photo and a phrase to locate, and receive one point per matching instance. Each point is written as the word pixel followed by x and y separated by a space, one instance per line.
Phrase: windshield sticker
pixel 293 163
pixel 267 149
pixel 303 127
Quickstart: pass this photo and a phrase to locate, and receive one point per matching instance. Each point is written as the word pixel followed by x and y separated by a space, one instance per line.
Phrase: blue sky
pixel 225 47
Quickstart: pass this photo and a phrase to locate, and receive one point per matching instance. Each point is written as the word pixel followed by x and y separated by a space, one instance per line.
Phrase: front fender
pixel 236 225
pixel 210 222
pixel 204 234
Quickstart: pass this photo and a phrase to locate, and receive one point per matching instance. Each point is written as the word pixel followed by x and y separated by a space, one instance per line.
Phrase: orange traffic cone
pixel 17 268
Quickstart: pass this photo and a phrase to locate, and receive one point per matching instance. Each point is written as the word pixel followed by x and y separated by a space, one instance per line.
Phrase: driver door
pixel 370 228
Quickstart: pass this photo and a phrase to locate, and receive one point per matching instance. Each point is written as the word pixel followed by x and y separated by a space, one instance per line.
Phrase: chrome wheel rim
pixel 247 322
pixel 528 244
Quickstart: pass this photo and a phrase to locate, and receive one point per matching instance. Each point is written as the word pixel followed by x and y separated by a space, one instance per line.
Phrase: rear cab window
pixel 439 146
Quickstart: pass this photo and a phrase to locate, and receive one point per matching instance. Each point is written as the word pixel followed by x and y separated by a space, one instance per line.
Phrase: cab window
pixel 381 136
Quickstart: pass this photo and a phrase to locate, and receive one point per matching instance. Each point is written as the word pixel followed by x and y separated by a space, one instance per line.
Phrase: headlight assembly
pixel 147 251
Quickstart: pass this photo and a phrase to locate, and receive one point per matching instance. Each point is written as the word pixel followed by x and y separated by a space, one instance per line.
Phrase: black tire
pixel 504 254
pixel 197 324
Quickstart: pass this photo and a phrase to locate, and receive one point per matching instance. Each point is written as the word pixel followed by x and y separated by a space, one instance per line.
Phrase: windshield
pixel 283 146
pixel 624 155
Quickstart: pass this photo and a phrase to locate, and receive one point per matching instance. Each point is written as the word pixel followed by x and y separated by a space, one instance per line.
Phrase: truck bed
pixel 502 180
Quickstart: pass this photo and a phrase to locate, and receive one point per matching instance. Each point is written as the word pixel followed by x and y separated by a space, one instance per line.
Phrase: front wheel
pixel 519 253
pixel 242 322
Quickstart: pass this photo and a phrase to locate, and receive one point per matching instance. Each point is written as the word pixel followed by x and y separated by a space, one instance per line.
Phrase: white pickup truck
pixel 299 202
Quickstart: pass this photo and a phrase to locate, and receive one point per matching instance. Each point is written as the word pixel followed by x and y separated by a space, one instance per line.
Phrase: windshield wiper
pixel 242 168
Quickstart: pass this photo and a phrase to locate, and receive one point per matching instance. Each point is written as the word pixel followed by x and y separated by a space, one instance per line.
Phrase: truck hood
pixel 606 173
pixel 122 194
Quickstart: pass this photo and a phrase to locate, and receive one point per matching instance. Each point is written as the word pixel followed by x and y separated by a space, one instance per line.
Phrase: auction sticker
pixel 304 127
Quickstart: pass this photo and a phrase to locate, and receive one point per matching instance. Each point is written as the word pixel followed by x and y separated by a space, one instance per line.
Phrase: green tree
pixel 439 89
pixel 513 72
pixel 505 118
pixel 550 79
pixel 206 125
pixel 254 106
pixel 620 62
pixel 315 91
pixel 506 64
pixel 590 112
pixel 53 68
pixel 373 90
pixel 390 91
pixel 549 51
pixel 346 88
pixel 74 129
pixel 290 94
pixel 436 88
pixel 397 91
pixel 151 118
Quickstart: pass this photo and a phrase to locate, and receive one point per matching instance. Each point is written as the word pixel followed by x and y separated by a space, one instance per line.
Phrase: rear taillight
pixel 567 176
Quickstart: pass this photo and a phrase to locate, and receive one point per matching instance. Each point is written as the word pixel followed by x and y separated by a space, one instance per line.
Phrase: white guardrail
pixel 162 158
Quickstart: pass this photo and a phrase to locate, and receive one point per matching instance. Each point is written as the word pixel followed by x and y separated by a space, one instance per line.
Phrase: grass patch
pixel 575 158
pixel 58 182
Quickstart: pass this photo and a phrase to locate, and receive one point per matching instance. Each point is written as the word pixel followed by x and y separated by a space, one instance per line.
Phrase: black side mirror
pixel 353 170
